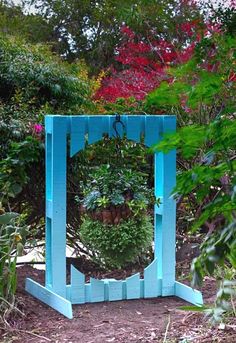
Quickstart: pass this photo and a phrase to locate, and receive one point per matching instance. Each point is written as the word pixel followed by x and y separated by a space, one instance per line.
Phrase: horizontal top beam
pixel 92 127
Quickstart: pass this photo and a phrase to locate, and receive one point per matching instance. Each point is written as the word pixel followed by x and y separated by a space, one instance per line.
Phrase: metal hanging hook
pixel 116 122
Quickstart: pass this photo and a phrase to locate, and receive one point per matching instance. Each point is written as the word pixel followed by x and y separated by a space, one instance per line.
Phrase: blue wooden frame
pixel 159 276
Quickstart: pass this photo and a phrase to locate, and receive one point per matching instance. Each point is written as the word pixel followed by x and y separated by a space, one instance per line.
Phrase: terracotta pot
pixel 98 215
pixel 128 212
pixel 92 215
pixel 118 217
pixel 82 209
pixel 111 215
pixel 113 212
pixel 107 217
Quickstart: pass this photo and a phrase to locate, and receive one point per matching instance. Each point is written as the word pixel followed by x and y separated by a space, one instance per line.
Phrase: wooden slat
pixel 158 209
pixel 95 128
pixel 133 286
pixel 77 134
pixel 165 222
pixel 150 281
pixel 157 243
pixel 97 290
pixel 135 126
pixel 68 288
pixel 48 123
pixel 56 193
pixel 77 294
pixel 114 290
pixel 49 208
pixel 153 127
pixel 88 293
pixel 106 124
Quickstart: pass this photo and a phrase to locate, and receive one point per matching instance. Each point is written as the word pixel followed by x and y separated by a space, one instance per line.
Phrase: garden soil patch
pixel 143 321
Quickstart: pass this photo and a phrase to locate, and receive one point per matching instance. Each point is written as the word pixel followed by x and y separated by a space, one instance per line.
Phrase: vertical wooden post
pixel 165 215
pixel 56 139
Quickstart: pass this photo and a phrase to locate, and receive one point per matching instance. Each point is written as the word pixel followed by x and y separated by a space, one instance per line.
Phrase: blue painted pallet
pixel 159 276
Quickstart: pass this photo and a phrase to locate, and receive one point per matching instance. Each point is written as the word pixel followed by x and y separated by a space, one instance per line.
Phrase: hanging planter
pixel 115 223
pixel 111 195
pixel 111 214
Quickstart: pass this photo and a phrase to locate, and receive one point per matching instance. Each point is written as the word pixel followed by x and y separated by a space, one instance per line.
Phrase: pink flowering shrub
pixel 37 129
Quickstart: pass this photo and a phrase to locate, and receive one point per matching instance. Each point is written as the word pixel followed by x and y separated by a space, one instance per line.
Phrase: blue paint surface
pixel 159 276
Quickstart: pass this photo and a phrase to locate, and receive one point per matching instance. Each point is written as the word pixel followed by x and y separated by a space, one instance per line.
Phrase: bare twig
pixel 167 328
pixel 31 333
pixel 11 306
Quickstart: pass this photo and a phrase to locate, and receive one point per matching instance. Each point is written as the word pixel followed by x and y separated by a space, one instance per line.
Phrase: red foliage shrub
pixel 142 64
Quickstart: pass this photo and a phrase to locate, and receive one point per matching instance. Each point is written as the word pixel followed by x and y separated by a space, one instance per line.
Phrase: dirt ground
pixel 143 321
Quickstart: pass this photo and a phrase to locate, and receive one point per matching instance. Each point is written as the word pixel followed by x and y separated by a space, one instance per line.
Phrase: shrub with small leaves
pixel 117 245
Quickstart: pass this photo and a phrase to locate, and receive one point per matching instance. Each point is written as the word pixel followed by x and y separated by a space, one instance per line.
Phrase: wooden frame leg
pixel 50 298
pixel 188 294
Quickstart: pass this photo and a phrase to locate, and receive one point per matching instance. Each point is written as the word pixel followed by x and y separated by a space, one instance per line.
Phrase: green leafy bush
pixel 116 245
pixel 202 93
pixel 211 183
pixel 33 81
pixel 211 180
pixel 226 296
pixel 16 168
pixel 200 89
pixel 41 77
pixel 12 241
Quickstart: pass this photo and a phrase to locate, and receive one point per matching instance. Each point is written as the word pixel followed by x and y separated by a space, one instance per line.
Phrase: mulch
pixel 140 321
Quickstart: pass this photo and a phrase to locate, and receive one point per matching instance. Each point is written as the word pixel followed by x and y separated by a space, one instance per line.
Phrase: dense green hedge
pixel 40 77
